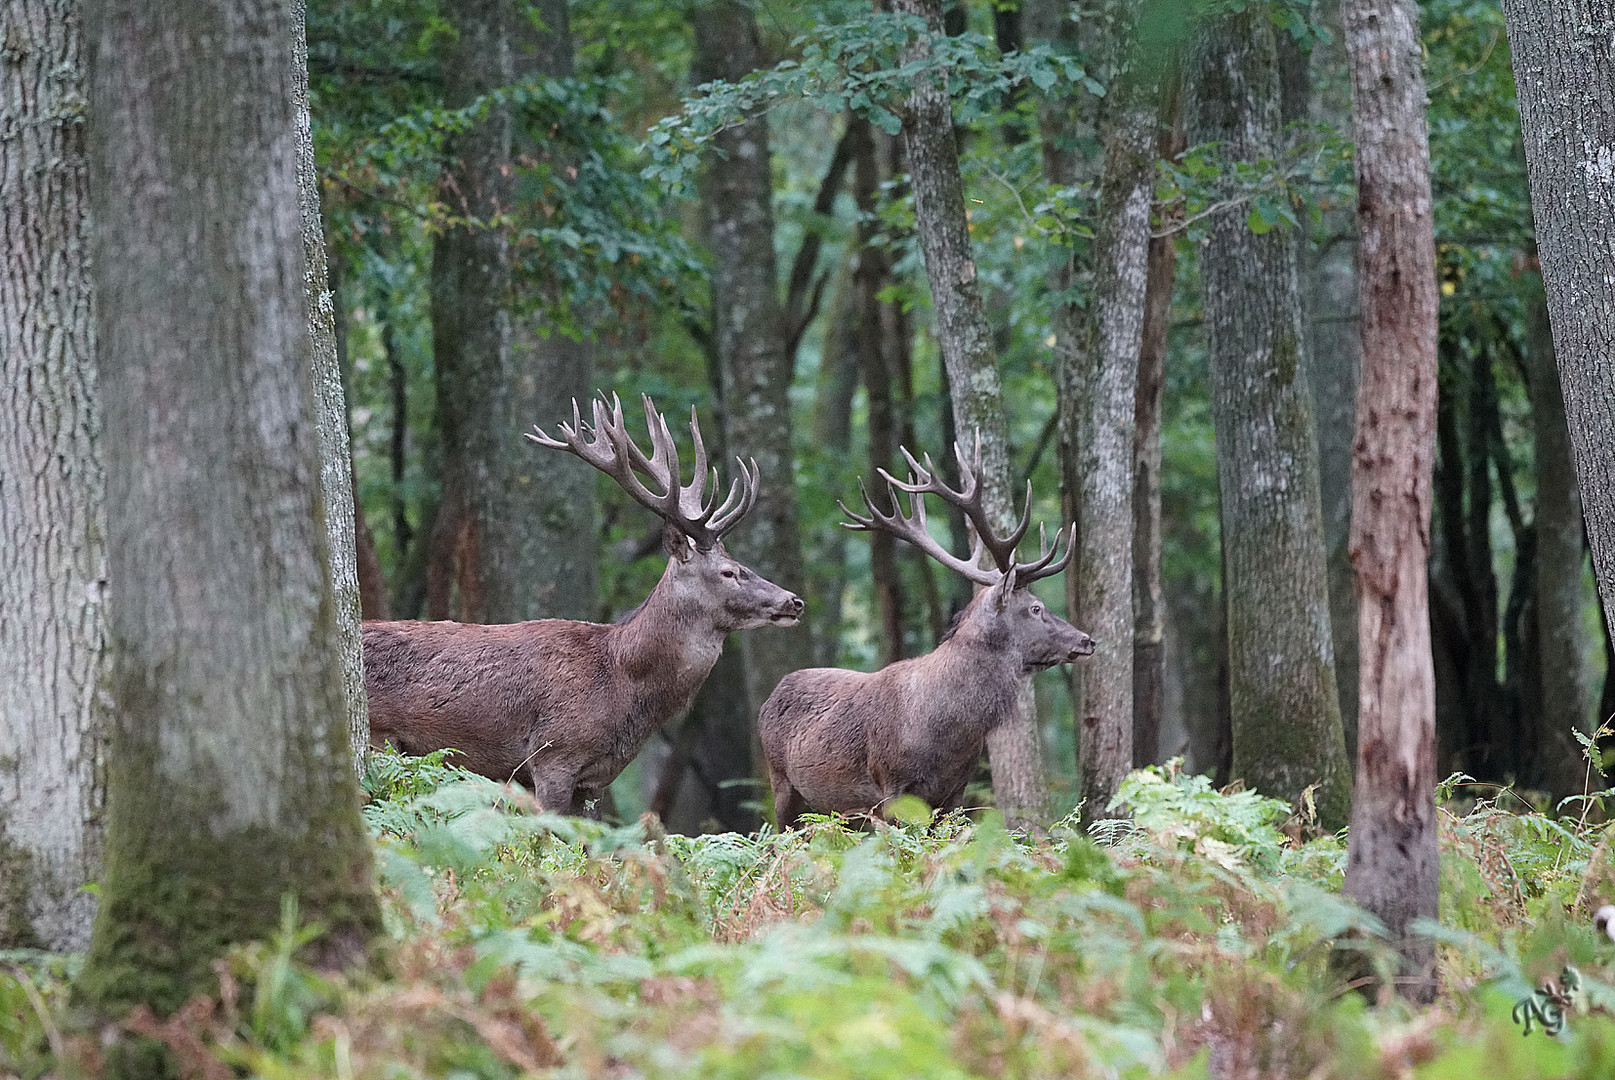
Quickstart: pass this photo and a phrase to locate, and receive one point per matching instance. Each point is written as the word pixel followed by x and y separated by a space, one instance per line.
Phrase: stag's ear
pixel 998 595
pixel 675 543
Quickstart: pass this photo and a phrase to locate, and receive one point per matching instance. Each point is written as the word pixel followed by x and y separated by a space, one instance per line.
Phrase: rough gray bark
pixel 1020 788
pixel 1392 867
pixel 1564 70
pixel 1565 683
pixel 470 287
pixel 543 544
pixel 331 408
pixel 1334 343
pixel 737 190
pixel 52 522
pixel 227 687
pixel 1285 706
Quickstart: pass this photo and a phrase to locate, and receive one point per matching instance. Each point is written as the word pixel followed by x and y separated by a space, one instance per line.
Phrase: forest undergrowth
pixel 1190 938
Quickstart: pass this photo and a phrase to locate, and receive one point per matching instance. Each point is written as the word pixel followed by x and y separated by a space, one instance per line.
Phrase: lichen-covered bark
pixel 1392 867
pixel 1564 70
pixel 1020 788
pixel 471 325
pixel 544 545
pixel 1565 683
pixel 737 193
pixel 52 524
pixel 1285 708
pixel 331 408
pixel 230 777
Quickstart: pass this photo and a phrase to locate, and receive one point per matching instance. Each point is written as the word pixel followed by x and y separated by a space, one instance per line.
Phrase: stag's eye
pixel 1036 609
pixel 728 573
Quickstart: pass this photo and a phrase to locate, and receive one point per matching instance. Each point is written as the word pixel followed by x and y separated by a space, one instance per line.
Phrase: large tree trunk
pixel 1014 748
pixel 331 411
pixel 52 523
pixel 1565 682
pixel 227 689
pixel 1392 867
pixel 470 288
pixel 1285 707
pixel 753 361
pixel 544 540
pixel 1564 70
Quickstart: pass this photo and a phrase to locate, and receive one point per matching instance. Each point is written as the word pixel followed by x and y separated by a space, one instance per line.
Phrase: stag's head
pixel 1006 615
pixel 702 578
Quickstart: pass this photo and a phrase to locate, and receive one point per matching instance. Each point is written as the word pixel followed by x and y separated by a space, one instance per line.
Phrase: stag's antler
pixel 923 481
pixel 607 446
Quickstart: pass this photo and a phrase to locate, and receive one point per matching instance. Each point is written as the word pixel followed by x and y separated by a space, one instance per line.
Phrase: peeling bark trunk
pixel 1392 867
pixel 1564 69
pixel 1285 707
pixel 467 576
pixel 544 544
pixel 1020 788
pixel 52 519
pixel 227 667
pixel 750 333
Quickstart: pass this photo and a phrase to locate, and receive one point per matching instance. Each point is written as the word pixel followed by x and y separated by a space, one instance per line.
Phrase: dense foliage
pixel 1196 937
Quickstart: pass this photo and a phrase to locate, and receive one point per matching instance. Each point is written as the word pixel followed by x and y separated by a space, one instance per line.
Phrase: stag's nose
pixel 1083 647
pixel 793 605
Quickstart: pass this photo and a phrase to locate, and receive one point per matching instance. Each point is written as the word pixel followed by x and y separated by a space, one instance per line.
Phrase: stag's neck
pixel 975 678
pixel 667 649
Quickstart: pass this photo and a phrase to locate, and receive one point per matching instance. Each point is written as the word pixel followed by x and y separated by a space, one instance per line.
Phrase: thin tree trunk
pixel 832 434
pixel 471 332
pixel 331 410
pixel 750 337
pixel 1564 70
pixel 543 548
pixel 1149 595
pixel 1392 867
pixel 52 521
pixel 1565 682
pixel 869 278
pixel 227 668
pixel 1097 384
pixel 1020 788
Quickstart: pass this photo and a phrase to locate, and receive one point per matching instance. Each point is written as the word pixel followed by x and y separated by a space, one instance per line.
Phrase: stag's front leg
pixel 552 787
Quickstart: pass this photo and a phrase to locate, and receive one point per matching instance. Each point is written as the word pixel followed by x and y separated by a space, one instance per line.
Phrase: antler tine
pixel 912 527
pixel 577 438
pixel 694 495
pixel 1046 565
pixel 739 502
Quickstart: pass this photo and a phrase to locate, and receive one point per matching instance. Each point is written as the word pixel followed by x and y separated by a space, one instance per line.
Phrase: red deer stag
pixel 564 706
pixel 851 741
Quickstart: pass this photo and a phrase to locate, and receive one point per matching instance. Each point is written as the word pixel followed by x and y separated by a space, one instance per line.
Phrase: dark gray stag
pixel 564 706
pixel 852 741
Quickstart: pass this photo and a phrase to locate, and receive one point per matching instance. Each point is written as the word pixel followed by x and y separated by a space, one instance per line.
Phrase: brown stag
pixel 563 706
pixel 851 741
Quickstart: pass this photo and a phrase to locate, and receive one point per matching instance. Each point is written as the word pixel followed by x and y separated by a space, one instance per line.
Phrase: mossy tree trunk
pixel 1285 706
pixel 52 523
pixel 1392 866
pixel 229 781
pixel 1014 749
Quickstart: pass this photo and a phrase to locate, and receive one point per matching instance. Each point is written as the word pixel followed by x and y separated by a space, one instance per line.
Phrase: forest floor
pixel 1193 940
